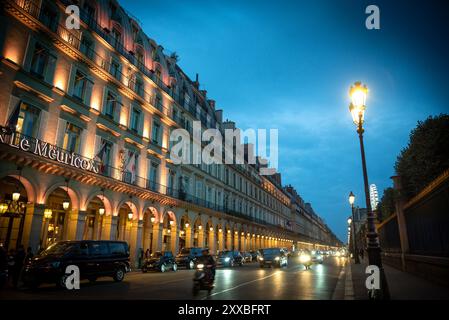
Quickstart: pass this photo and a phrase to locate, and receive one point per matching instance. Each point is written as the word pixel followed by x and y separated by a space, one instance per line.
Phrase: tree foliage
pixel 426 155
pixel 386 206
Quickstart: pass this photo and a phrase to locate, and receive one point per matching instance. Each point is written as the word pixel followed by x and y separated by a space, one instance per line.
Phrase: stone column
pixel 228 240
pixel 212 242
pixel 242 243
pixel 32 228
pixel 135 240
pixel 236 241
pixel 220 241
pixel 200 237
pixel 402 226
pixel 189 237
pixel 174 238
pixel 75 225
pixel 110 228
pixel 157 237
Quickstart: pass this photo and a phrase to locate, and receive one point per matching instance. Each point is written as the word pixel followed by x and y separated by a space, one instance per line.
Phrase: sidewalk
pixel 402 285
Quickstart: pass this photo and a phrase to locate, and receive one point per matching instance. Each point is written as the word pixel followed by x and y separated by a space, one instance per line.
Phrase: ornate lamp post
pixel 358 93
pixel 351 222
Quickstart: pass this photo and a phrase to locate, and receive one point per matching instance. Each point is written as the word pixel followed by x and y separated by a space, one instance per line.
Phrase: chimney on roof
pixel 211 103
pixel 219 115
pixel 196 84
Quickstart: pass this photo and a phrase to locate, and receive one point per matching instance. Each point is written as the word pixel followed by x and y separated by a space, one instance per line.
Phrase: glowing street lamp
pixel 130 215
pixel 101 211
pixel 349 220
pixel 358 94
pixel 16 195
pixel 152 219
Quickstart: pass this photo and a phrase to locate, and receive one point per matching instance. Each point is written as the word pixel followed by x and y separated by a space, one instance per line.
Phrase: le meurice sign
pixel 48 151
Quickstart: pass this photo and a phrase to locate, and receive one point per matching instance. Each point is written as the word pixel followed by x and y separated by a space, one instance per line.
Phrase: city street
pixel 238 283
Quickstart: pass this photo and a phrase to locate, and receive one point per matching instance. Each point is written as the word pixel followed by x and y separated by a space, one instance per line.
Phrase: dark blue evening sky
pixel 289 64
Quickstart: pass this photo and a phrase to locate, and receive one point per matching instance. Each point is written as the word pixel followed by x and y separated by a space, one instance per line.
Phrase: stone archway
pixel 62 218
pixel 13 203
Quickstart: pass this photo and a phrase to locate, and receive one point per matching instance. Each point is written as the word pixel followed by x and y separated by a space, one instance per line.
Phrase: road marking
pixel 245 283
pixel 339 288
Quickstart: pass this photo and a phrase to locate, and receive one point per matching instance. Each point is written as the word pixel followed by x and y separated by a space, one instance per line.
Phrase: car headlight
pixel 261 258
pixel 304 258
pixel 227 259
pixel 200 266
pixel 277 258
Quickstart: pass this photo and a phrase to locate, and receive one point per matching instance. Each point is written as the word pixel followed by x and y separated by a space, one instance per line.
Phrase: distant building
pixel 374 196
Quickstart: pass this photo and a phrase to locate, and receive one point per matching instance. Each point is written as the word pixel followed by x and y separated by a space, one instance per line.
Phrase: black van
pixel 93 258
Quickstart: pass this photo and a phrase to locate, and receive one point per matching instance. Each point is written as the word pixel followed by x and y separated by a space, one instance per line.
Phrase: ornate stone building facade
pixel 86 117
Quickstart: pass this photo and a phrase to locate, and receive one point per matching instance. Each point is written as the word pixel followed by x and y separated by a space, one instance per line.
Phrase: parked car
pixel 230 258
pixel 160 261
pixel 247 257
pixel 273 257
pixel 254 255
pixel 93 258
pixel 187 257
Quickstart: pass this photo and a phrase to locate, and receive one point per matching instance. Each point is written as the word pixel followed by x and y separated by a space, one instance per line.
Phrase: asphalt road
pixel 238 283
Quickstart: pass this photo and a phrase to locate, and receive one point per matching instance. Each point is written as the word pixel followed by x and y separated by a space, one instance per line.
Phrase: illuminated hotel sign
pixel 48 151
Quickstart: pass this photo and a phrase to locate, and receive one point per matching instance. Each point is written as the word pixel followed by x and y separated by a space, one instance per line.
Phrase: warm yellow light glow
pixel 171 222
pixel 16 196
pixel 12 53
pixel 152 219
pixel 358 93
pixel 101 211
pixel 130 215
pixel 351 198
pixel 65 204
pixel 211 229
pixel 60 79
pixel 229 231
pixel 349 220
pixel 3 207
pixel 124 117
pixel 200 227
pixel 186 225
pixel 220 230
pixel 48 213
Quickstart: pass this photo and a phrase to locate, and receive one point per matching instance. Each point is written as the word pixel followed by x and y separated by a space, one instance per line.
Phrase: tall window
pixel 87 47
pixel 171 181
pixel 72 138
pixel 158 101
pixel 135 120
pixel 27 123
pixel 48 17
pixel 152 176
pixel 139 56
pixel 111 108
pixel 115 69
pixel 158 72
pixel 80 86
pixel 155 135
pixel 39 61
pixel 139 87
